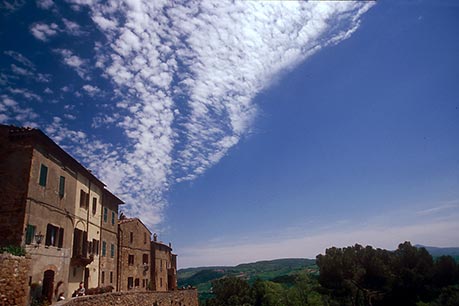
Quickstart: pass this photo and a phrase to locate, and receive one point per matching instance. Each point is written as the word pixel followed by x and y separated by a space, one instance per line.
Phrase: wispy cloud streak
pixel 185 75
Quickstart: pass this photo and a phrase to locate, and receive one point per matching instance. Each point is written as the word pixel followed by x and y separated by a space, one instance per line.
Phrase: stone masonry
pixel 171 298
pixel 14 275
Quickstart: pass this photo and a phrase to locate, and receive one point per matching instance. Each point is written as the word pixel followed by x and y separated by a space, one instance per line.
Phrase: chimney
pixel 155 237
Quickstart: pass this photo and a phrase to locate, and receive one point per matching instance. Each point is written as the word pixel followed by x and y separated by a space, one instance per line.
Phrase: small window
pixel 104 248
pixel 131 237
pixel 84 199
pixel 54 236
pixel 43 175
pixel 161 282
pixel 30 233
pixel 105 214
pixel 94 205
pixel 113 218
pixel 131 260
pixel 61 186
pixel 144 238
pixel 145 259
pixel 161 265
pixel 130 282
pixel 143 283
pixel 112 250
pixel 111 277
pixel 137 282
pixel 95 247
pixel 103 277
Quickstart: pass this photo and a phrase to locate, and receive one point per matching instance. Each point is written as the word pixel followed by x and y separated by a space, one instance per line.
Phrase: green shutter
pixel 30 233
pixel 61 186
pixel 113 218
pixel 105 214
pixel 112 250
pixel 43 175
pixel 104 248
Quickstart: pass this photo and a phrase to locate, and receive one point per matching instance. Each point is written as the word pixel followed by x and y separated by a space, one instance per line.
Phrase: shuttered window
pixel 43 175
pixel 104 248
pixel 30 233
pixel 61 186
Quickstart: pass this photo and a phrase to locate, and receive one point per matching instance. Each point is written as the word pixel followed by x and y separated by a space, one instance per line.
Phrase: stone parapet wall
pixel 171 298
pixel 14 274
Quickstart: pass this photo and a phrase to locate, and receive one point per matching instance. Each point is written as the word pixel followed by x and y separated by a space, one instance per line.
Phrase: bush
pixel 13 250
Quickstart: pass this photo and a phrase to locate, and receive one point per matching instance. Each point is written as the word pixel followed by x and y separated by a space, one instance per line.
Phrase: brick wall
pixel 14 274
pixel 171 298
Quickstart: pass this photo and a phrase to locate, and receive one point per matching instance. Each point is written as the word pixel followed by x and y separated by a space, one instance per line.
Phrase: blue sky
pixel 243 131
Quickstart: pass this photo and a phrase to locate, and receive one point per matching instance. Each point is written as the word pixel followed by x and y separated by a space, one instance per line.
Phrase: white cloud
pixel 11 111
pixel 91 90
pixel 25 93
pixel 43 31
pixel 11 5
pixel 45 4
pixel 215 56
pixel 74 61
pixel 72 28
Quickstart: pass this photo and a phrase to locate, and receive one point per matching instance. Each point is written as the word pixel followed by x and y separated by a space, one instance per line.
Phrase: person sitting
pixel 80 291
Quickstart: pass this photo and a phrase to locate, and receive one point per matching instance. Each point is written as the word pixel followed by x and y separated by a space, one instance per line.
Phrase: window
pixel 103 277
pixel 137 282
pixel 30 233
pixel 84 199
pixel 43 175
pixel 161 282
pixel 130 282
pixel 131 237
pixel 131 260
pixel 94 205
pixel 95 247
pixel 112 250
pixel 54 236
pixel 80 243
pixel 105 214
pixel 111 277
pixel 113 218
pixel 161 265
pixel 145 259
pixel 61 186
pixel 104 248
pixel 143 283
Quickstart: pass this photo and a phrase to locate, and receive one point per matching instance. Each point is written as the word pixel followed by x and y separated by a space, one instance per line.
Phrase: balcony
pixel 81 260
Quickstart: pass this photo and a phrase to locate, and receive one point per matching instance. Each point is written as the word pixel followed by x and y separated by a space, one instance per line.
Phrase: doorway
pixel 48 285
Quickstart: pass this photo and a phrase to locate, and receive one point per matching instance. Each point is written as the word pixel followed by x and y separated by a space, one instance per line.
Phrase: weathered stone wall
pixel 171 298
pixel 14 274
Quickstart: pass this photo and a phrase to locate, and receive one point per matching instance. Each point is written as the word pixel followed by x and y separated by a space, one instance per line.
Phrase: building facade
pixel 164 266
pixel 68 223
pixel 134 259
pixel 108 260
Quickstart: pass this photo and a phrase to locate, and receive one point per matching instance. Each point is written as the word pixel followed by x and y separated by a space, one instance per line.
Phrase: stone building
pixel 51 207
pixel 108 261
pixel 134 257
pixel 164 266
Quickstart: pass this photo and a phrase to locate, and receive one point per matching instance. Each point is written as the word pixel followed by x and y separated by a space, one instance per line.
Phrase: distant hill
pixel 435 251
pixel 276 270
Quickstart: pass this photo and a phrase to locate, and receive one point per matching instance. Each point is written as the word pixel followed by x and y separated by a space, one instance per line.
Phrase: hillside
pixel 436 251
pixel 276 270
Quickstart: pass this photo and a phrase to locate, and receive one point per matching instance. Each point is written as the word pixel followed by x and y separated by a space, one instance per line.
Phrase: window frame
pixel 43 176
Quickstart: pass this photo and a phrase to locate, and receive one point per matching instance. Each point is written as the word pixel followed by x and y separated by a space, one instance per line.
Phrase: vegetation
pixel 354 275
pixel 14 250
pixel 275 270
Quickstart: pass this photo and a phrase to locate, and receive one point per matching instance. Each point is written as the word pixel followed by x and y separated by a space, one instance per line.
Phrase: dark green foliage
pixel 230 291
pixel 14 250
pixel 366 276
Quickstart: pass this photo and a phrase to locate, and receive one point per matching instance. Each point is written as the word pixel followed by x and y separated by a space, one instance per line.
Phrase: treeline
pixel 354 275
